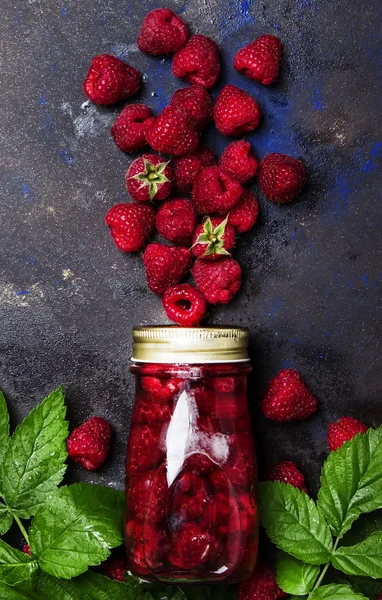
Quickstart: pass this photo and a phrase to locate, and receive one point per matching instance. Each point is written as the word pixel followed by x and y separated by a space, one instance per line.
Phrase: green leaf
pixel 363 559
pixel 351 481
pixel 294 524
pixel 207 227
pixel 366 525
pixel 4 427
pixel 34 462
pixel 24 591
pixel 6 519
pixel 77 529
pixel 15 566
pixel 294 576
pixel 336 592
pixel 220 229
pixel 91 586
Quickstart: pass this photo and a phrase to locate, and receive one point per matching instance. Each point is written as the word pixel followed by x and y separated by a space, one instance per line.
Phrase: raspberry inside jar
pixel 191 509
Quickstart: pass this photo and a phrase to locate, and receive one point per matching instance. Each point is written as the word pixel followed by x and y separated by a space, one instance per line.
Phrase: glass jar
pixel 191 507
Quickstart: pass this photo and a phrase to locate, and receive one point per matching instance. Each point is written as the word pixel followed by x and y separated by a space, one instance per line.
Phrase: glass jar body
pixel 191 506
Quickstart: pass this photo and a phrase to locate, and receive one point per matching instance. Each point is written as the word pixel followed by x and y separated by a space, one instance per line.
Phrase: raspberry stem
pixel 324 570
pixel 21 527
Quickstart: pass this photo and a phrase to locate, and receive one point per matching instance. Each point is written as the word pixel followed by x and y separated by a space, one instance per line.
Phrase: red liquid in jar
pixel 191 508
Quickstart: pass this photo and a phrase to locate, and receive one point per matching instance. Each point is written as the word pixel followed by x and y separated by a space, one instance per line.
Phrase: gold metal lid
pixel 197 345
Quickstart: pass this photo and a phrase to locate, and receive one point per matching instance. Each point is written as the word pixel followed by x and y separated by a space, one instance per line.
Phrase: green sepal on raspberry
pixel 152 176
pixel 213 237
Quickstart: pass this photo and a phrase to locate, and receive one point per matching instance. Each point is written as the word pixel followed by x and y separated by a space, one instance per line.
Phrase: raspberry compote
pixel 191 507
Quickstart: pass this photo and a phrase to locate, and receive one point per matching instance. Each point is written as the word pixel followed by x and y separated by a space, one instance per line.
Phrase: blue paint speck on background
pixel 49 124
pixel 66 158
pixel 318 103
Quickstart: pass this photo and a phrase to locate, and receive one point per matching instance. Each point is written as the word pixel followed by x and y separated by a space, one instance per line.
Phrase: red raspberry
pixel 287 472
pixel 114 568
pixel 110 80
pixel 89 444
pixel 199 463
pixel 165 266
pixel 176 220
pixel 239 161
pixel 197 103
pixel 27 549
pixel 287 398
pixel 344 430
pixel 213 239
pixel 260 60
pixel 190 498
pixel 244 214
pixel 248 512
pixel 157 545
pixel 380 596
pixel 187 167
pixel 172 132
pixel 184 305
pixel 130 128
pixel 144 451
pixel 135 547
pixel 161 390
pixel 191 547
pixel 153 410
pixel 236 112
pixel 214 192
pixel 261 586
pixel 137 491
pixel 241 466
pixel 218 281
pixel 162 32
pixel 198 62
pixel 149 177
pixel 157 503
pixel 130 225
pixel 281 177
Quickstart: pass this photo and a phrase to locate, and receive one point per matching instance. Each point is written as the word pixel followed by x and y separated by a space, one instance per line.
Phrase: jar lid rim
pixel 167 344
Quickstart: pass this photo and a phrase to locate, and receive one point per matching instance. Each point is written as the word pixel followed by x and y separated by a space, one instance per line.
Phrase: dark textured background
pixel 69 299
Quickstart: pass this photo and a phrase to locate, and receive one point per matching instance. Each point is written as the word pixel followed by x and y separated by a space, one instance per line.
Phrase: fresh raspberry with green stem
pixel 213 239
pixel 184 305
pixel 149 178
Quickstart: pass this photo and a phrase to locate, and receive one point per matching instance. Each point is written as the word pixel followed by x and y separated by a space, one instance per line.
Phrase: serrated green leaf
pixel 24 591
pixel 293 523
pixel 367 524
pixel 15 566
pixel 363 559
pixel 294 576
pixel 351 481
pixel 90 586
pixel 34 463
pixel 77 529
pixel 336 592
pixel 6 519
pixel 4 428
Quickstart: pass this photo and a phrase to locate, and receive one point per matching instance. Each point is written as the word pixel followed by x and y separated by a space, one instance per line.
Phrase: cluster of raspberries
pixel 203 227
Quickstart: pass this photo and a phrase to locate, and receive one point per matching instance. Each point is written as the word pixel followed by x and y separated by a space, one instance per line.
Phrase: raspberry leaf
pixel 351 481
pixel 371 589
pixel 6 519
pixel 34 462
pixel 294 576
pixel 294 524
pixel 363 559
pixel 76 529
pixel 15 566
pixel 336 592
